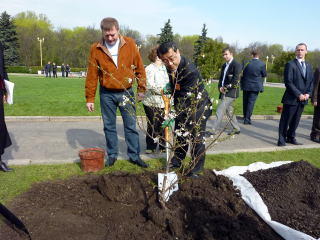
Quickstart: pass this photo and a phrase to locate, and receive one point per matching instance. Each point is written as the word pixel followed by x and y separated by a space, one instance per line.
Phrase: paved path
pixel 58 140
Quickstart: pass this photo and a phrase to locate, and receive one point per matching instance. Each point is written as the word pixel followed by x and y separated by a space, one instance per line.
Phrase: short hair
pixel 254 53
pixel 108 23
pixel 302 44
pixel 153 54
pixel 165 47
pixel 227 49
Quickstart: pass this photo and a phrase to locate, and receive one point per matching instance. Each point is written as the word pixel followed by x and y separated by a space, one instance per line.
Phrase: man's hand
pixel 315 104
pixel 302 97
pixel 306 96
pixel 90 107
pixel 5 98
pixel 222 90
pixel 140 96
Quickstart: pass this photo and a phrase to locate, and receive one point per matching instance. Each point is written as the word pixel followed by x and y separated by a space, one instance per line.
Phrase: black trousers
pixel 315 131
pixel 155 118
pixel 5 140
pixel 289 121
pixel 191 120
pixel 249 99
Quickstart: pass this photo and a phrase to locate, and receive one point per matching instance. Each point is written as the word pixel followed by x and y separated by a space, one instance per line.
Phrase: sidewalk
pixel 38 140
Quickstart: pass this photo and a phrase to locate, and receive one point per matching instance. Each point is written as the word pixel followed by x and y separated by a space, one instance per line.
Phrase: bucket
pixel 91 159
pixel 279 108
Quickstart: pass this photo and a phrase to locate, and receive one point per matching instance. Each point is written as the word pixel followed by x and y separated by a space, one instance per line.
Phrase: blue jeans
pixel 110 101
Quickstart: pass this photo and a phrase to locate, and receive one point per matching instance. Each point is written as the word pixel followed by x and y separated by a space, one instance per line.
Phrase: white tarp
pixel 253 199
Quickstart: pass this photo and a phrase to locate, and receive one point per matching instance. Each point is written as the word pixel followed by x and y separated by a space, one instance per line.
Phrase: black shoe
pixel 193 175
pixel 293 141
pixel 246 122
pixel 5 168
pixel 281 144
pixel 110 162
pixel 139 162
pixel 314 139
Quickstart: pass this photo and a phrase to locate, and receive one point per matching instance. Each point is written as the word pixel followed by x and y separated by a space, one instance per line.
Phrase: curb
pixel 99 118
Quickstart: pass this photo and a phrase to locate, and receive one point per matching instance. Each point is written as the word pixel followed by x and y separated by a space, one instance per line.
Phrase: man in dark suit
pixel 315 131
pixel 47 69
pixel 252 83
pixel 5 140
pixel 192 105
pixel 229 91
pixel 298 79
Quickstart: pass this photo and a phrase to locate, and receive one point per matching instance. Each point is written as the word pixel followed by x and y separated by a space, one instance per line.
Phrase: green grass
pixel 40 96
pixel 19 181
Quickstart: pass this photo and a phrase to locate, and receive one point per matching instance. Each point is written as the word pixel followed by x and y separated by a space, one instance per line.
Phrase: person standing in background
pixel 157 79
pixel 298 79
pixel 228 87
pixel 54 70
pixel 68 69
pixel 315 131
pixel 47 69
pixel 252 83
pixel 5 140
pixel 63 70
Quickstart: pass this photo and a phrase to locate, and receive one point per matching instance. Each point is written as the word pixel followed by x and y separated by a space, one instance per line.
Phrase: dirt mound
pixel 125 206
pixel 292 195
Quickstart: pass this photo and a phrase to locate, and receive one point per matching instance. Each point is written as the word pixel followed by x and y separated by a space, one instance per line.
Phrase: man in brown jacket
pixel 116 62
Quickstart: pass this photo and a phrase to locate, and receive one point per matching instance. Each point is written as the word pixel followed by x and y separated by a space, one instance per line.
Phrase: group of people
pixel 115 63
pixel 52 68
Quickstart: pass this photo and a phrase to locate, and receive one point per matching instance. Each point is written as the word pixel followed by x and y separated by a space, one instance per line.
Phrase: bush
pixel 273 77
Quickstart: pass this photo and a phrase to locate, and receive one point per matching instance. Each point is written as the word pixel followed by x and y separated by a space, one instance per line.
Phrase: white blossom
pixel 129 80
pixel 189 94
pixel 156 140
pixel 185 134
pixel 211 107
pixel 199 95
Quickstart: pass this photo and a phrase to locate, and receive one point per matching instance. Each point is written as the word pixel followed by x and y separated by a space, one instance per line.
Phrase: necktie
pixel 303 65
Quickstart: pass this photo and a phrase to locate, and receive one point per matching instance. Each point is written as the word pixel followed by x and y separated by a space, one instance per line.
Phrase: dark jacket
pixel 296 83
pixel 316 87
pixel 3 73
pixel 187 83
pixel 231 81
pixel 48 67
pixel 253 74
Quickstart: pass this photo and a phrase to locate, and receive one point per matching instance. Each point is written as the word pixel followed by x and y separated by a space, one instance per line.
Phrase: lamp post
pixel 265 79
pixel 40 42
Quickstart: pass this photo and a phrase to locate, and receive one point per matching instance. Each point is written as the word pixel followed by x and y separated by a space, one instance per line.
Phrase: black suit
pixel 5 140
pixel 193 108
pixel 252 83
pixel 296 83
pixel 231 81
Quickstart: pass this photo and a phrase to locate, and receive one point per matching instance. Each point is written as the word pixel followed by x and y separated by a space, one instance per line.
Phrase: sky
pixel 240 22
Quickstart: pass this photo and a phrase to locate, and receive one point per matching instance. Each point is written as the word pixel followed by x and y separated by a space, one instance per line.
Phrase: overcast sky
pixel 286 22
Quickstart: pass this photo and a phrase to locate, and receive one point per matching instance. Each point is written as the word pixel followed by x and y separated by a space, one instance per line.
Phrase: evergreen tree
pixel 9 39
pixel 166 34
pixel 199 46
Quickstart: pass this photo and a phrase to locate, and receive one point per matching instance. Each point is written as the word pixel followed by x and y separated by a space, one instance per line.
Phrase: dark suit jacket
pixel 3 73
pixel 253 75
pixel 231 81
pixel 316 87
pixel 296 83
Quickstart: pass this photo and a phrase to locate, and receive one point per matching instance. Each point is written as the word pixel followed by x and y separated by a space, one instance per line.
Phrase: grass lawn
pixel 17 182
pixel 40 96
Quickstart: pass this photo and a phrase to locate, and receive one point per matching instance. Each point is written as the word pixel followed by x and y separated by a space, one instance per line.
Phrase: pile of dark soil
pixel 292 195
pixel 125 206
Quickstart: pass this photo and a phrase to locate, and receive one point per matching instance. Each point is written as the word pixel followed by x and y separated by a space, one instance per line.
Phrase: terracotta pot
pixel 279 108
pixel 91 159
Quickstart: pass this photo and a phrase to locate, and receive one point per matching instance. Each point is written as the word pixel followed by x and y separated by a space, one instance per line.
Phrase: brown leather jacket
pixel 101 67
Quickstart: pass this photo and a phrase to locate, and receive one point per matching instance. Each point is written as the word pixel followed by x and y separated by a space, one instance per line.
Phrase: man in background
pixel 252 83
pixel 298 79
pixel 229 91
